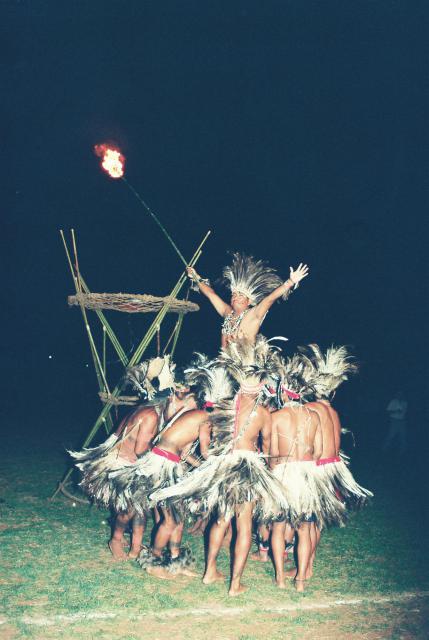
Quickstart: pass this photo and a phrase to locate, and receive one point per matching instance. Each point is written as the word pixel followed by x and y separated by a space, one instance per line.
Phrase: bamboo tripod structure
pixel 100 363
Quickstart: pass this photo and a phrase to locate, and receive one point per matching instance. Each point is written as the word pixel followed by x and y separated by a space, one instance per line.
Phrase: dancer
pixel 323 374
pixel 254 287
pixel 296 443
pixel 123 448
pixel 213 385
pixel 162 467
pixel 234 480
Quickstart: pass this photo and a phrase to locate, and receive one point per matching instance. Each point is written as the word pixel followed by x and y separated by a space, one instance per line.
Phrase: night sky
pixel 295 131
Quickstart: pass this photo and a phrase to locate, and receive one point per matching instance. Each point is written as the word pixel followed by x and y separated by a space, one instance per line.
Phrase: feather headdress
pixel 325 372
pixel 250 364
pixel 213 381
pixel 140 376
pixel 254 278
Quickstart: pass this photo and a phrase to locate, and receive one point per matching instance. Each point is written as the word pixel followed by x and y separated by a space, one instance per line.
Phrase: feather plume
pixel 247 362
pixel 325 372
pixel 254 278
pixel 214 383
pixel 137 378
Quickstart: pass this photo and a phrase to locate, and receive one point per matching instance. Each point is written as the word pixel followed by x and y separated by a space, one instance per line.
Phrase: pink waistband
pixel 328 460
pixel 166 454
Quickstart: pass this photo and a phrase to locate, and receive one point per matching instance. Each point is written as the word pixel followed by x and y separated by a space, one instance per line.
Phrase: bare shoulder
pixel 263 412
pixel 146 415
pixel 282 415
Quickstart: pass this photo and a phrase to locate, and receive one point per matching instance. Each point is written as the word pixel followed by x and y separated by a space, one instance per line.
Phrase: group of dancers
pixel 248 438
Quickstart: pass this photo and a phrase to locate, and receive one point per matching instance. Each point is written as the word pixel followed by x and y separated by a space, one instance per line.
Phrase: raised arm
pixel 221 307
pixel 295 277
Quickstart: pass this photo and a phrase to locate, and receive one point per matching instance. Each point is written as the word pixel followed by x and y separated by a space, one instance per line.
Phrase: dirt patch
pixel 404 619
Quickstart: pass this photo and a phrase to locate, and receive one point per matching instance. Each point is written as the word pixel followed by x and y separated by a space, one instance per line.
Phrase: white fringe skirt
pixel 224 483
pixel 95 465
pixel 339 479
pixel 309 497
pixel 150 473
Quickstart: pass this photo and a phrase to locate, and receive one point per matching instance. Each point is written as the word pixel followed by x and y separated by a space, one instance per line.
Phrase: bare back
pixel 136 431
pixel 337 425
pixel 184 431
pixel 248 427
pixel 327 427
pixel 296 434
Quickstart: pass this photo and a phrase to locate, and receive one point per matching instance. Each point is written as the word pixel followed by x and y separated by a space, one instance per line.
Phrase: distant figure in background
pixel 397 411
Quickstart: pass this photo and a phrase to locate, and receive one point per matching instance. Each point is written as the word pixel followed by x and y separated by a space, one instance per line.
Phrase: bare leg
pixel 116 544
pixel 304 552
pixel 314 537
pixel 263 545
pixel 176 539
pixel 242 547
pixel 163 536
pixel 217 534
pixel 278 548
pixel 139 524
pixel 226 542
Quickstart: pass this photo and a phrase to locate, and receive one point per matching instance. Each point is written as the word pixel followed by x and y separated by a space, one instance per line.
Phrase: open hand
pixel 299 273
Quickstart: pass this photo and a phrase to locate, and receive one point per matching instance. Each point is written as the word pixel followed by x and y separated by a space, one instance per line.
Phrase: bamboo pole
pixel 95 355
pixel 135 359
pixel 176 335
pixel 113 339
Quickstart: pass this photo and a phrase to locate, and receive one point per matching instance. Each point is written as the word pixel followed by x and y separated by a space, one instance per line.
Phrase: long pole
pixel 157 220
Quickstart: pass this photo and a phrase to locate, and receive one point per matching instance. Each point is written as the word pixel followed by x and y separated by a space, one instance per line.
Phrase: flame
pixel 112 160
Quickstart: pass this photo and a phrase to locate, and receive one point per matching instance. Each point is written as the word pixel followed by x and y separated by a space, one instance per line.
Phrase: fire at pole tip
pixel 112 160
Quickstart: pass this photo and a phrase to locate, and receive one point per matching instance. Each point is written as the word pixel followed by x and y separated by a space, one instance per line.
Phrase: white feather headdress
pixel 249 363
pixel 325 372
pixel 251 277
pixel 213 381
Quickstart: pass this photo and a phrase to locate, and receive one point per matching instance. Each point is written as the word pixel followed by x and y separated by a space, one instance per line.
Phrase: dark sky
pixel 296 131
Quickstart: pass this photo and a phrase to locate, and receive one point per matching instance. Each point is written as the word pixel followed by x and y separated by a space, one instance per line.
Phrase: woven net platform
pixel 131 303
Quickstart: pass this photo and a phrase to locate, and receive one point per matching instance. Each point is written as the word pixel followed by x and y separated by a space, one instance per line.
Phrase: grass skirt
pixel 338 477
pixel 96 464
pixel 223 483
pixel 308 495
pixel 152 472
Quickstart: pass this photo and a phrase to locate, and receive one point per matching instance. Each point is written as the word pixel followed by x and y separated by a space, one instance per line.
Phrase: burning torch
pixel 113 163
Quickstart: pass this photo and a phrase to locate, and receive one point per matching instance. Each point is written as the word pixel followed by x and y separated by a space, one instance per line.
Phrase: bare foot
pixel 117 549
pixel 160 572
pixel 299 585
pixel 237 590
pixel 183 571
pixel 280 584
pixel 259 556
pixel 134 552
pixel 210 578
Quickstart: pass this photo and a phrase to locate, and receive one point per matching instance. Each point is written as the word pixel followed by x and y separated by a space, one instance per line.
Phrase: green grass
pixel 55 561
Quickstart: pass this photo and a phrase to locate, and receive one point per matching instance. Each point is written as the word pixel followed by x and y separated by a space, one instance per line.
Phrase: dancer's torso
pixel 296 430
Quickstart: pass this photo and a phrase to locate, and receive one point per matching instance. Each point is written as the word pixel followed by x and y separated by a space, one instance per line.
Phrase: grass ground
pixel 57 577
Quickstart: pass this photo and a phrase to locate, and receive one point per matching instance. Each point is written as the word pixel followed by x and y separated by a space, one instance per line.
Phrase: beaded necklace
pixel 232 322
